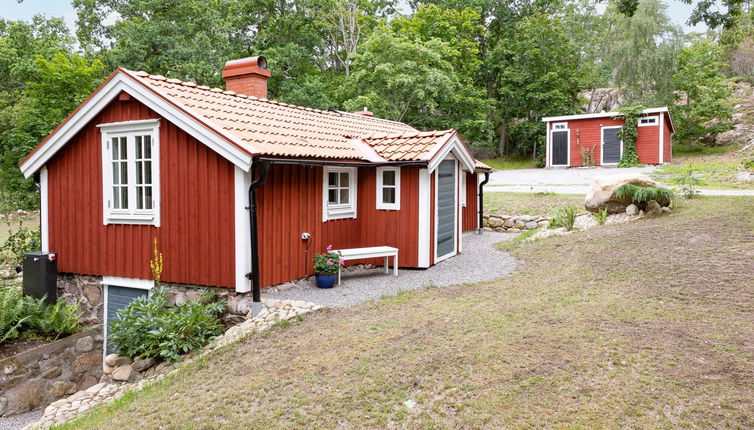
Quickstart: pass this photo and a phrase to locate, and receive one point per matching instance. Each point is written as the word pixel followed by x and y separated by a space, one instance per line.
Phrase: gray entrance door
pixel 560 148
pixel 118 298
pixel 446 207
pixel 611 145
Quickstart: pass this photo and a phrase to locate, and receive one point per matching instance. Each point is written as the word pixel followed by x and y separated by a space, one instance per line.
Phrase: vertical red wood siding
pixel 196 235
pixel 587 134
pixel 470 215
pixel 290 203
pixel 668 143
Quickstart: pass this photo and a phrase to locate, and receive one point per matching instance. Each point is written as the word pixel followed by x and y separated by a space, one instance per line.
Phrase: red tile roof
pixel 271 128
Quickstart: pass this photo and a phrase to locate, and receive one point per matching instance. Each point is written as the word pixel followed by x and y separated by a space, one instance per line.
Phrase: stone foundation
pixel 37 377
pixel 513 223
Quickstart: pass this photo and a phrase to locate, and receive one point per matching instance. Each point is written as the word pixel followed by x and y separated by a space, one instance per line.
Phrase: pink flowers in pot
pixel 328 262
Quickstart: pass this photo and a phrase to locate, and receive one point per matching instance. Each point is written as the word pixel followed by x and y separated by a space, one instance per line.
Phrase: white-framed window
pixel 560 126
pixel 389 188
pixel 648 121
pixel 339 193
pixel 131 172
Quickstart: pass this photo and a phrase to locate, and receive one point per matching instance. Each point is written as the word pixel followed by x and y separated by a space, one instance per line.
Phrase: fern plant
pixel 637 194
pixel 12 313
pixel 601 216
pixel 564 217
pixel 30 317
pixel 55 320
pixel 688 182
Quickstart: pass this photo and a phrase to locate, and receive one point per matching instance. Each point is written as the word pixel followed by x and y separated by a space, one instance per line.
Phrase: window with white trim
pixel 130 172
pixel 560 126
pixel 339 193
pixel 389 188
pixel 648 121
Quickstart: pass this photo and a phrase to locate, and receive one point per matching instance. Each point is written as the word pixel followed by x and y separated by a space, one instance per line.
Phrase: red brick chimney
pixel 247 76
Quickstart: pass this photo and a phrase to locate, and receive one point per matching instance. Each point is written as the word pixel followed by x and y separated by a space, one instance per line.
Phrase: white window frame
pixel 382 204
pixel 340 211
pixel 130 129
pixel 560 126
pixel 654 118
pixel 462 189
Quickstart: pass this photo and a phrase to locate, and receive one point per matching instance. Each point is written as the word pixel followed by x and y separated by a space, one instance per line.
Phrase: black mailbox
pixel 41 275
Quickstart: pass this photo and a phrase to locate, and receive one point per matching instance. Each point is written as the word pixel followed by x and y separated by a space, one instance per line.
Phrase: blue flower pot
pixel 325 281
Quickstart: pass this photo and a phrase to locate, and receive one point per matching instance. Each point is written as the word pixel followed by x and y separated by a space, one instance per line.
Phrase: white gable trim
pixel 100 99
pixel 457 148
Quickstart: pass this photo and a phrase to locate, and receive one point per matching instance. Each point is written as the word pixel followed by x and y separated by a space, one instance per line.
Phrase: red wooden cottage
pixel 572 140
pixel 148 157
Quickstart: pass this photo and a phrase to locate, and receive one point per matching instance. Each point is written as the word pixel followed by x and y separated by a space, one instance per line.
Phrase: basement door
pixel 445 245
pixel 559 148
pixel 117 299
pixel 611 145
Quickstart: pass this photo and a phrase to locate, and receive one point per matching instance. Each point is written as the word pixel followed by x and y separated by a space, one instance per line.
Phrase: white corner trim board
pixel 94 105
pixel 243 246
pixel 424 217
pixel 44 229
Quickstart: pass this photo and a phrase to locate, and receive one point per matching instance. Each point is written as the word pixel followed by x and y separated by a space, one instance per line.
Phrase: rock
pixel 744 176
pixel 531 225
pixel 88 381
pixel 543 223
pixel 61 388
pixel 495 222
pixel 142 364
pixel 666 210
pixel 601 193
pixel 85 344
pixel 632 209
pixel 653 208
pixel 26 397
pixel 107 369
pixel 105 379
pixel 641 213
pixel 52 372
pixel 86 362
pixel 122 373
pixel 482 152
pixel 525 218
pixel 10 368
pixel 115 360
pixel 93 294
pixel 513 230
pixel 180 298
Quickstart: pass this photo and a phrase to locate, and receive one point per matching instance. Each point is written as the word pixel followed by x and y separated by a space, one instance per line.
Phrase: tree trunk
pixel 502 147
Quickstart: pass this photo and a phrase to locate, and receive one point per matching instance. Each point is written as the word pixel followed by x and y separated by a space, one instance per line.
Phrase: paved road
pixel 570 181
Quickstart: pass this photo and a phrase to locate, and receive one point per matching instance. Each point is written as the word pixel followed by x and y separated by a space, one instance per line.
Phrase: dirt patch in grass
pixel 638 325
pixel 528 203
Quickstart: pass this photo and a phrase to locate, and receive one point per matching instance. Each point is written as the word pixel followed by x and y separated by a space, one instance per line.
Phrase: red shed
pixel 574 140
pixel 146 157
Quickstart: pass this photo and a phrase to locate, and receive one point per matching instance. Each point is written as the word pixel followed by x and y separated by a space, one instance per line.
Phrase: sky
pixel 10 9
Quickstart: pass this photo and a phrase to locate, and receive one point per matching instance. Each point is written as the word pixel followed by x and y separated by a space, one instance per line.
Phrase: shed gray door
pixel 560 148
pixel 611 145
pixel 446 207
pixel 118 298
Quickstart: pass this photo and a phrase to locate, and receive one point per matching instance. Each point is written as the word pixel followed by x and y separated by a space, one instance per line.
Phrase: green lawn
pixel 528 203
pixel 639 325
pixel 511 163
pixel 716 167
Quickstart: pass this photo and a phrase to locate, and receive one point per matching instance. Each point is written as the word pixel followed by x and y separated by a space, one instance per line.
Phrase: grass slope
pixel 716 168
pixel 639 325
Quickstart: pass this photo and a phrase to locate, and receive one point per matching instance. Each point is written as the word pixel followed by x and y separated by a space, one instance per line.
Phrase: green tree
pixel 702 98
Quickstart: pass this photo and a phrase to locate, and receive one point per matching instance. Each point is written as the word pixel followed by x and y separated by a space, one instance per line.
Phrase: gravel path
pixel 480 261
pixel 583 189
pixel 19 421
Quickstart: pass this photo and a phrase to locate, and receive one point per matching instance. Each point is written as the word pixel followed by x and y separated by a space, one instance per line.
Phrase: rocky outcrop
pixel 601 193
pixel 602 100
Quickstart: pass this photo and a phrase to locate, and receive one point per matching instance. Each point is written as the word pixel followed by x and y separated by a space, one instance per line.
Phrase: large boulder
pixel 601 193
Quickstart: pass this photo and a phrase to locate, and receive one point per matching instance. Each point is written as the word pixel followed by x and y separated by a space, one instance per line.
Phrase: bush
pixel 19 243
pixel 32 317
pixel 149 327
pixel 564 217
pixel 663 196
pixel 688 182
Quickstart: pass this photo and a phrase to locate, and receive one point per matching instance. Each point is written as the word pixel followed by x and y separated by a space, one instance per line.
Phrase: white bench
pixel 371 252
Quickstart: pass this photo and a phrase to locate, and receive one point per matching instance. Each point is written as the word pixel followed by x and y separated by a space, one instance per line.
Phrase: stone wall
pixel 513 223
pixel 37 377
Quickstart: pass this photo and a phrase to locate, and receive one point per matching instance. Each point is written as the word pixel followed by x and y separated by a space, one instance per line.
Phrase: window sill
pixel 150 219
pixel 388 208
pixel 331 215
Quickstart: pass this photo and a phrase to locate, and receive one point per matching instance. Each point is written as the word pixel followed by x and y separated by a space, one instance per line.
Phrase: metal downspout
pixel 481 202
pixel 256 296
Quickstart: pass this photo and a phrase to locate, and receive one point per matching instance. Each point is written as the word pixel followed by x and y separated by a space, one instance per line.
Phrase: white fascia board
pixel 98 101
pixel 460 151
pixel 599 115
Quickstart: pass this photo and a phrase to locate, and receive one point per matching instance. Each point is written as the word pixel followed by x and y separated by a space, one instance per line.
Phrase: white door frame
pixel 568 147
pixel 602 145
pixel 455 209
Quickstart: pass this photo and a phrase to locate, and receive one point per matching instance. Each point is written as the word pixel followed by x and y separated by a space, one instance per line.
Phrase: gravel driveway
pixel 16 422
pixel 570 181
pixel 480 261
